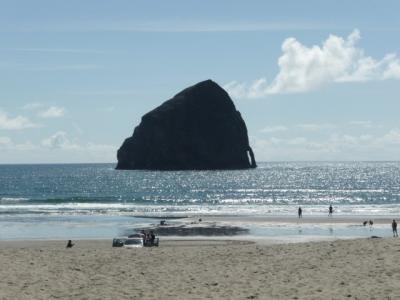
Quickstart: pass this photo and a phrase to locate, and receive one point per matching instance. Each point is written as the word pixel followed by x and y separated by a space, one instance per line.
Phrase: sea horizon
pixel 263 161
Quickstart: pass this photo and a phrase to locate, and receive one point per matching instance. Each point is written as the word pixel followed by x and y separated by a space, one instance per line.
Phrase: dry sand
pixel 208 269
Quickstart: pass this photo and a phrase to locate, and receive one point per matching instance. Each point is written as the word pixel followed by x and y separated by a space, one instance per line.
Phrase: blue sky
pixel 314 80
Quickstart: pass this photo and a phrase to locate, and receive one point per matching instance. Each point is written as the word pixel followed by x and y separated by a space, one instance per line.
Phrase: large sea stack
pixel 198 129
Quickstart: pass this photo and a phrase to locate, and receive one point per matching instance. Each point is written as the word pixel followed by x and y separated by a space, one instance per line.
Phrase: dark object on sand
pixel 213 230
pixel 198 129
pixel 136 241
pixel 70 244
pixel 365 223
pixel 118 242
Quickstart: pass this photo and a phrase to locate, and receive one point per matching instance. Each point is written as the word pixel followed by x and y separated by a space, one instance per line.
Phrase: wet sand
pixel 313 219
pixel 201 269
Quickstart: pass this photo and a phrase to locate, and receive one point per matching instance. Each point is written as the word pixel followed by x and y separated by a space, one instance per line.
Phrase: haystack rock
pixel 198 129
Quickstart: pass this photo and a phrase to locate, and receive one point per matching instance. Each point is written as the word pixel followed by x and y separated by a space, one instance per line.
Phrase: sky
pixel 313 80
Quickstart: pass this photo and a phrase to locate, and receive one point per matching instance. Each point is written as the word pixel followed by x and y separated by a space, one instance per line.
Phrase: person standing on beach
pixel 330 210
pixel 70 244
pixel 394 228
pixel 300 212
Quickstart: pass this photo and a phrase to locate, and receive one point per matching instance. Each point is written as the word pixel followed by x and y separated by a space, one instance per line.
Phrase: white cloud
pixel 58 148
pixel 49 112
pixel 270 129
pixel 7 144
pixel 26 146
pixel 365 124
pixel 303 69
pixel 5 141
pixel 16 123
pixel 62 148
pixel 315 127
pixel 392 137
pixel 52 112
pixel 59 140
pixel 334 146
pixel 236 89
pixel 32 106
pixel 393 69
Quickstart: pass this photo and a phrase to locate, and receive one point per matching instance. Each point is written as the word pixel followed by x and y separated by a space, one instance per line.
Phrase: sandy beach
pixel 206 269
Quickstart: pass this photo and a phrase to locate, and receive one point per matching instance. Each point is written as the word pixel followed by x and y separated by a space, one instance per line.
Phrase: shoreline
pixel 316 219
pixel 215 227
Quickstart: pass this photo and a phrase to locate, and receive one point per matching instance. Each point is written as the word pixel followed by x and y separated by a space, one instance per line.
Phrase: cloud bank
pixel 57 148
pixel 59 140
pixel 303 69
pixel 16 123
pixel 333 147
pixel 52 112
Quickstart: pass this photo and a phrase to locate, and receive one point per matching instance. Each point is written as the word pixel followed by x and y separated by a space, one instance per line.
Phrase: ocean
pixel 97 201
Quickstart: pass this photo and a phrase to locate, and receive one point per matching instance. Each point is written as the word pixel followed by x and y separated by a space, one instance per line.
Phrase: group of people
pixel 148 237
pixel 300 211
pixel 370 222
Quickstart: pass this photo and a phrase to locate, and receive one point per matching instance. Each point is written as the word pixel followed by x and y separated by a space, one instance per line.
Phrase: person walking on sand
pixel 330 210
pixel 394 228
pixel 300 212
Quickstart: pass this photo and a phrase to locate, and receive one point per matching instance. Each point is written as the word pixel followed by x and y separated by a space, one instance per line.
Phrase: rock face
pixel 198 129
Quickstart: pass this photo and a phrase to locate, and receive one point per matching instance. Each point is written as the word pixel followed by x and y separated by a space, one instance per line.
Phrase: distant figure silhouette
pixel 69 244
pixel 365 223
pixel 330 210
pixel 394 228
pixel 370 224
pixel 300 212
